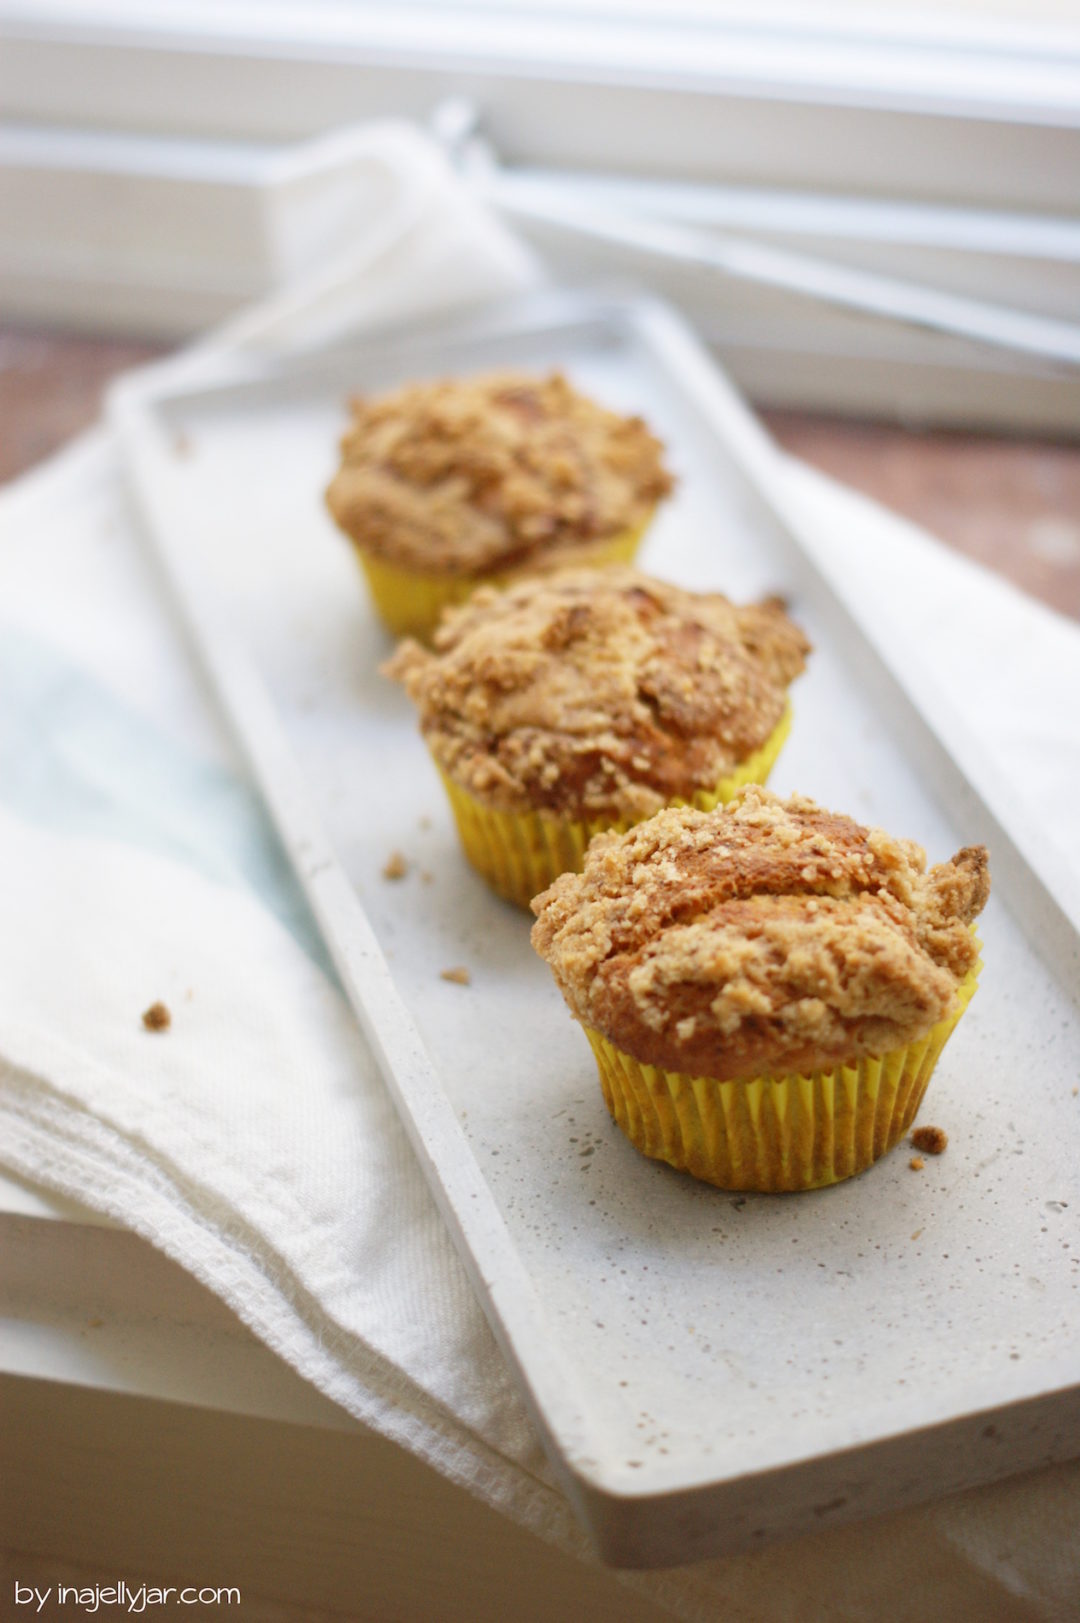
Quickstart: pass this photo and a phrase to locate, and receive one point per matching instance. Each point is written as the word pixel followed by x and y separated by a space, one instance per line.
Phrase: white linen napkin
pixel 255 1144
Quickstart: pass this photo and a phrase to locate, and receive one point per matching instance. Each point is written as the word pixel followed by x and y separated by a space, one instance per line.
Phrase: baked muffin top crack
pixel 768 936
pixel 599 693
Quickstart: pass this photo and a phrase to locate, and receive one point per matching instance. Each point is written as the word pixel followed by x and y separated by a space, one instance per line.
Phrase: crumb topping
pixel 599 692
pixel 157 1017
pixel 766 936
pixel 488 472
pixel 458 975
pixel 930 1140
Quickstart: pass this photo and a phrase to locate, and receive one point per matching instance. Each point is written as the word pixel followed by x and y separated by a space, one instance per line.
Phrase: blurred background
pixel 872 211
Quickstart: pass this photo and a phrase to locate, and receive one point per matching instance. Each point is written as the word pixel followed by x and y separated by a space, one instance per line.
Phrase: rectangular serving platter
pixel 707 1371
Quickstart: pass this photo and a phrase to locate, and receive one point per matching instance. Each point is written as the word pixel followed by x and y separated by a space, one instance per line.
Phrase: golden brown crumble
pixel 459 975
pixel 157 1017
pixel 767 936
pixel 599 692
pixel 916 1163
pixel 395 867
pixel 466 477
pixel 930 1140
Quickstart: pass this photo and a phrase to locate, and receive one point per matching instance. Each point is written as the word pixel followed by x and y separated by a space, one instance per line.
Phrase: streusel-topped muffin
pixel 766 987
pixel 590 699
pixel 446 484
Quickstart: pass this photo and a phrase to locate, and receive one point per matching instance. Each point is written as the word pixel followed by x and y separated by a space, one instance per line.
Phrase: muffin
pixel 445 485
pixel 588 700
pixel 766 987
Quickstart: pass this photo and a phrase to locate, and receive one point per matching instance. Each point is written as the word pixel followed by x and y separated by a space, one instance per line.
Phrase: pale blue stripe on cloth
pixel 74 758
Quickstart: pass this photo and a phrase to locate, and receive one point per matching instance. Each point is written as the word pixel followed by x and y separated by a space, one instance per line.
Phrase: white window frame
pixel 944 149
pixel 946 108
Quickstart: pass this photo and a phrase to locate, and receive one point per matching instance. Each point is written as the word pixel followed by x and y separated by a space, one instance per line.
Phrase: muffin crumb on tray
pixel 930 1140
pixel 157 1017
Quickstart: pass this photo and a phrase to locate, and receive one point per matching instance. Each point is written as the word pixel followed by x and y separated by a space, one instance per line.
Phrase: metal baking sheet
pixel 708 1371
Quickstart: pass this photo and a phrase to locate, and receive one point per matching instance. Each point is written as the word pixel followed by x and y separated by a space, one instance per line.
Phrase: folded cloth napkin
pixel 260 1150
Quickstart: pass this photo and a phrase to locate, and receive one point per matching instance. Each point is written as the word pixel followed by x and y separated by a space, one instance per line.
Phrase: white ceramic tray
pixel 708 1371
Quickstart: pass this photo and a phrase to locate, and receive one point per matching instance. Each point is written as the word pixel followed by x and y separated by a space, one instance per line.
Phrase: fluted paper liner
pixel 521 853
pixel 774 1133
pixel 410 601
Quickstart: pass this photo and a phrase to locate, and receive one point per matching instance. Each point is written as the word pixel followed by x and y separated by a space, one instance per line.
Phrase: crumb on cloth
pixel 458 974
pixel 157 1017
pixel 396 866
pixel 916 1163
pixel 931 1140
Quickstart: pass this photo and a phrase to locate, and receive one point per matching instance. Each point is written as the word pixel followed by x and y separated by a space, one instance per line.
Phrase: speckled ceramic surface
pixel 744 1365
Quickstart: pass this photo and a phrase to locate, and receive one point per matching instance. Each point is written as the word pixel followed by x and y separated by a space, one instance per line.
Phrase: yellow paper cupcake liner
pixel 410 601
pixel 774 1133
pixel 521 853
